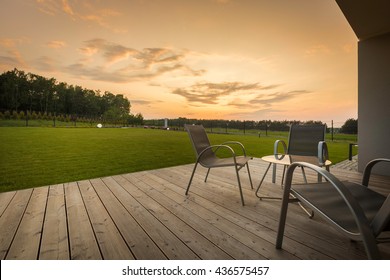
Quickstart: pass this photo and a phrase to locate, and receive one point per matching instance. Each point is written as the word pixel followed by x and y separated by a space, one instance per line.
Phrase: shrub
pixel 350 127
pixel 15 115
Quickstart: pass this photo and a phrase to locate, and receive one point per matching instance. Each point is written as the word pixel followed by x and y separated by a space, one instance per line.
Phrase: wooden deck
pixel 145 215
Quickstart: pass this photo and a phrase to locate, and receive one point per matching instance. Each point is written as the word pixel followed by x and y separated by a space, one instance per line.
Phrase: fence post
pixel 332 130
pixel 350 150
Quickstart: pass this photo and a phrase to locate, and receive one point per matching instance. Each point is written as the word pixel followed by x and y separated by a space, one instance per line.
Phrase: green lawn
pixel 39 156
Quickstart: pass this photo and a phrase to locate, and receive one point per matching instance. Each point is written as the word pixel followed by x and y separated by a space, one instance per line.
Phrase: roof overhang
pixel 368 18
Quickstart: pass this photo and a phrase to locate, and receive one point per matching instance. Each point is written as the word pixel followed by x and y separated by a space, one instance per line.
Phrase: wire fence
pixel 262 128
pixel 43 119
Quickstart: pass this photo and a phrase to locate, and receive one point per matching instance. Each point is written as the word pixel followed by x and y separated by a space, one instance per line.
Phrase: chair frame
pixel 367 231
pixel 237 162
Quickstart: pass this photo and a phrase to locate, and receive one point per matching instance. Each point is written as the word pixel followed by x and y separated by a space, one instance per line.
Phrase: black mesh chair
pixel 355 210
pixel 206 155
pixel 305 143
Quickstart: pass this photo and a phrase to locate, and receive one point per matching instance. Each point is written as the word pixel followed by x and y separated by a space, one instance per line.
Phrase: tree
pixel 138 119
pixel 350 127
pixel 33 93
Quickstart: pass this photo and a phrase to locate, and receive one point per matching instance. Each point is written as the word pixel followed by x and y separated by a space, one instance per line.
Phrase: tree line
pixel 349 127
pixel 232 124
pixel 34 94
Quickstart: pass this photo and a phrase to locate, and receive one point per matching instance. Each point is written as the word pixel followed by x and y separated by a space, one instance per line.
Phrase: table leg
pixel 258 188
pixel 274 173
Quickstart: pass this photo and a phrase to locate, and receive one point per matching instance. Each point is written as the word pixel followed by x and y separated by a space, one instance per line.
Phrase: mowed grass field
pixel 40 156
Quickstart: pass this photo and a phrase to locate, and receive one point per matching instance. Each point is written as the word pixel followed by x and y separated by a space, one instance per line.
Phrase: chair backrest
pixel 199 139
pixel 303 139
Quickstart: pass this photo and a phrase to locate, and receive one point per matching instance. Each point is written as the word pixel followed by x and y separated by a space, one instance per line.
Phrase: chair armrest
pixel 276 145
pixel 368 168
pixel 323 154
pixel 356 210
pixel 217 148
pixel 235 143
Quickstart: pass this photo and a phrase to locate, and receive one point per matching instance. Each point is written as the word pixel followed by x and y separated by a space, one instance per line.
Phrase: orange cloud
pixel 211 93
pixel 134 64
pixel 12 59
pixel 85 11
pixel 55 44
pixel 67 8
pixel 10 56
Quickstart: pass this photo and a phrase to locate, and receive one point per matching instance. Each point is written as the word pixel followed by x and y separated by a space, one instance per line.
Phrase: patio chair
pixel 207 155
pixel 305 143
pixel 353 209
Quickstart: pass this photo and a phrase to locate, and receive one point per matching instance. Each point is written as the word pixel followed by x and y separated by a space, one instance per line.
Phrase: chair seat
pixel 214 161
pixel 326 200
pixel 309 159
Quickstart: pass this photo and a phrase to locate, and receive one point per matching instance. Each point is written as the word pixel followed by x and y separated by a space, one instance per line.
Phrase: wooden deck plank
pixel 10 220
pixel 54 244
pixel 136 238
pixel 5 199
pixel 25 245
pixel 83 245
pixel 109 239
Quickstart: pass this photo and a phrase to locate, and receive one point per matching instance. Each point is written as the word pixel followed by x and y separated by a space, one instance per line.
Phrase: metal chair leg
pixel 310 213
pixel 249 174
pixel 282 218
pixel 207 175
pixel 239 186
pixel 304 175
pixel 284 172
pixel 192 176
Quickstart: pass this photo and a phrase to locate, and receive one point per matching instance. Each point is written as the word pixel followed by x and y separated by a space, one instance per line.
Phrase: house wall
pixel 374 100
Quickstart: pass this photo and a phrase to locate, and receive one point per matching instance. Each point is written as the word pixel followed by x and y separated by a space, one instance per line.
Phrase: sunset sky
pixel 223 59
